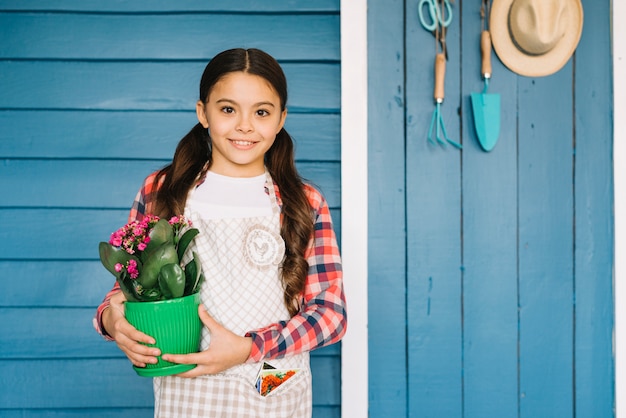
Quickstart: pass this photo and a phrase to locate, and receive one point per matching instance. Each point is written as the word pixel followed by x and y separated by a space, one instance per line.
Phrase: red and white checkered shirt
pixel 322 318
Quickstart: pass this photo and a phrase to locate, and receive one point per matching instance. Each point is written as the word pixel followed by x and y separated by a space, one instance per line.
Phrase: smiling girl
pixel 273 282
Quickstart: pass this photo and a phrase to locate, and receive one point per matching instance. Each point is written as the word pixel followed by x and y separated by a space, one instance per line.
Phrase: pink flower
pixel 142 246
pixel 132 269
pixel 116 239
pixel 118 267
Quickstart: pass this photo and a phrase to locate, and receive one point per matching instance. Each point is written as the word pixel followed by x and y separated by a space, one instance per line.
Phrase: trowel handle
pixel 440 75
pixel 485 53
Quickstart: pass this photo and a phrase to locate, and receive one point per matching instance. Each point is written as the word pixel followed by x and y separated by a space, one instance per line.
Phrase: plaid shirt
pixel 322 318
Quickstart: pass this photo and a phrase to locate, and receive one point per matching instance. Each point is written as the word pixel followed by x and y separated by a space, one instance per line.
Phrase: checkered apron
pixel 241 260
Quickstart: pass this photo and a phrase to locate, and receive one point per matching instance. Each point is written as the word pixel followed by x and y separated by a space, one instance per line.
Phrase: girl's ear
pixel 200 107
pixel 283 118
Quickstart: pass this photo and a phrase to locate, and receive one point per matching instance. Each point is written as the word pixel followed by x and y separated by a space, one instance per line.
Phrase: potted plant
pixel 146 258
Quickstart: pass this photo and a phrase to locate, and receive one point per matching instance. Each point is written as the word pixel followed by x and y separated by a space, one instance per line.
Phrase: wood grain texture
pixel 109 184
pixel 594 238
pixel 146 412
pixel 546 245
pixel 169 37
pixel 45 134
pixel 434 249
pixel 19 342
pixel 68 234
pixel 94 85
pixel 74 383
pixel 490 328
pixel 386 211
pixel 166 6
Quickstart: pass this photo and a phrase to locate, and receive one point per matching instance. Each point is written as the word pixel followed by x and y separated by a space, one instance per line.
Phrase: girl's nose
pixel 244 125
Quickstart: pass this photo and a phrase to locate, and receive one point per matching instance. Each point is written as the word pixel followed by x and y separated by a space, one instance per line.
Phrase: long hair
pixel 193 157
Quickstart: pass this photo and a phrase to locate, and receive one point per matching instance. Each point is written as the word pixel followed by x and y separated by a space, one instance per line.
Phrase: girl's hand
pixel 127 337
pixel 225 351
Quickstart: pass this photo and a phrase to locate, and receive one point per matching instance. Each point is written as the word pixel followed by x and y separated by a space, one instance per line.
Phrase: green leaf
pixel 165 254
pixel 185 240
pixel 196 288
pixel 191 272
pixel 110 256
pixel 150 295
pixel 161 233
pixel 172 281
pixel 193 275
pixel 128 288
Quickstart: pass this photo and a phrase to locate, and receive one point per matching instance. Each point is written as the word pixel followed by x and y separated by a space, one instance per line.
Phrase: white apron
pixel 242 291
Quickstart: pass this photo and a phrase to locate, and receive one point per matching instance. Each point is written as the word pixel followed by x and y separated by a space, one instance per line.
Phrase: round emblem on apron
pixel 262 247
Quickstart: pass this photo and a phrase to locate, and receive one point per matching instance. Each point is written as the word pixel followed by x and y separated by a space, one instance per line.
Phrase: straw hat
pixel 535 37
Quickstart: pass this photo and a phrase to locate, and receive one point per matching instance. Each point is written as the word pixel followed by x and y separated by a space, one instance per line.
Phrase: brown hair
pixel 193 157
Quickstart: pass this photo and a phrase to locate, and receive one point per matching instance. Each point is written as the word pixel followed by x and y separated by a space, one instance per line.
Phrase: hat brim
pixel 519 61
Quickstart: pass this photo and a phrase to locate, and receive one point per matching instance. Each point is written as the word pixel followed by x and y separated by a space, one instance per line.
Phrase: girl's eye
pixel 262 112
pixel 228 109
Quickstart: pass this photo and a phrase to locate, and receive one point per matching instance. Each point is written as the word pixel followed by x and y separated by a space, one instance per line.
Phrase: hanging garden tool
pixel 439 14
pixel 486 107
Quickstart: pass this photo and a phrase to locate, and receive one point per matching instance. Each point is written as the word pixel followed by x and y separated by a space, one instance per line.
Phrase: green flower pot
pixel 175 326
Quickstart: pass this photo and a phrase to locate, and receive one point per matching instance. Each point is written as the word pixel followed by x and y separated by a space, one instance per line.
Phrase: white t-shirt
pixel 223 197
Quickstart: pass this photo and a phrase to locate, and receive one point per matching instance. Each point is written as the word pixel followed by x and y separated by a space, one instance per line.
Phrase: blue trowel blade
pixel 486 108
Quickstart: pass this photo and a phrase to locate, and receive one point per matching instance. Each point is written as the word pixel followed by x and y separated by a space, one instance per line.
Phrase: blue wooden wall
pixel 93 97
pixel 490 274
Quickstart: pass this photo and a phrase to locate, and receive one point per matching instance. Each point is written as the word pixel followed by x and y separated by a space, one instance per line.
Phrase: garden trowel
pixel 486 107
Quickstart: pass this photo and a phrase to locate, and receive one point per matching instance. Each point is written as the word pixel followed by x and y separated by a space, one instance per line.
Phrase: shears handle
pixel 435 17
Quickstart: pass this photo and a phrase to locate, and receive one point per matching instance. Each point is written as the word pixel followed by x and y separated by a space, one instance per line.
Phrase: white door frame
pixel 354 140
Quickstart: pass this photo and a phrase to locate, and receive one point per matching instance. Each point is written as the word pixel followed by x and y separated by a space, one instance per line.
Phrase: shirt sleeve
pixel 143 201
pixel 322 320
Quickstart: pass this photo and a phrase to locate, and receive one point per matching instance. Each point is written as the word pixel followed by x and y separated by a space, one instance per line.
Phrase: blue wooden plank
pixel 326 412
pixel 58 234
pixel 78 413
pixel 109 383
pixel 489 242
pixel 166 36
pixel 69 334
pixel 546 245
pixel 139 135
pixel 326 384
pixel 75 283
pixel 594 258
pixel 75 383
pixel 142 85
pixel 110 183
pixel 73 183
pixel 318 412
pixel 433 177
pixel 164 6
pixel 386 211
pixel 67 234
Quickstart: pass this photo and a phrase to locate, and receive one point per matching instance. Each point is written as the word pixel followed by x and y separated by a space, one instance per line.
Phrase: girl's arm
pixel 322 319
pixel 143 201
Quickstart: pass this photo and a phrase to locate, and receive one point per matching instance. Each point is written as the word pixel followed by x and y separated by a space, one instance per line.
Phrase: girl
pixel 273 283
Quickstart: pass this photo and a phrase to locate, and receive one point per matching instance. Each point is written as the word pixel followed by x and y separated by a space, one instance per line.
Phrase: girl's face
pixel 243 115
